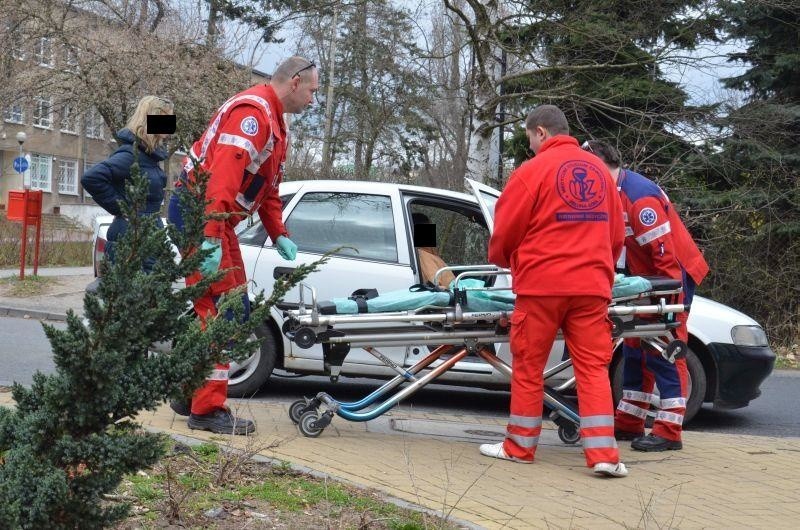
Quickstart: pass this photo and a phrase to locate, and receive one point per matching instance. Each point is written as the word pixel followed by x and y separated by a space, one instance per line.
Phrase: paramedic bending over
pixel 657 244
pixel 558 225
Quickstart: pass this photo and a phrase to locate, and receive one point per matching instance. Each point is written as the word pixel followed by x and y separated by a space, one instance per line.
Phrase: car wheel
pixel 245 378
pixel 697 385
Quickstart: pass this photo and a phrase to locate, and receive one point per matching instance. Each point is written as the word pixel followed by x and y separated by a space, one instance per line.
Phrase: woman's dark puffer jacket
pixel 106 181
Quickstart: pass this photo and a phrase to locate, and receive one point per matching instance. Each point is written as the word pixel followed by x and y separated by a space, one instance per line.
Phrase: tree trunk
pixel 327 139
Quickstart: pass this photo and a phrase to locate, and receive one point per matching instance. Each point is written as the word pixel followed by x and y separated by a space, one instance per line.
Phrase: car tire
pixel 697 385
pixel 247 378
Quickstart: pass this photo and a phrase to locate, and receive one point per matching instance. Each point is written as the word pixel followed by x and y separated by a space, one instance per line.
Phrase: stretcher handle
pixel 460 268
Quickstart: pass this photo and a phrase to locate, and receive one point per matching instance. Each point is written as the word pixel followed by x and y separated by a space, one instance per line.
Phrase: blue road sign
pixel 20 164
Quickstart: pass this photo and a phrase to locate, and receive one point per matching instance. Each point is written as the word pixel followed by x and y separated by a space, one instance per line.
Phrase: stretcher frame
pixel 457 333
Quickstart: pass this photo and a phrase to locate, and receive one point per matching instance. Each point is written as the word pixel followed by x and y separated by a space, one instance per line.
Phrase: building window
pixel 69 119
pixel 43 52
pixel 43 112
pixel 68 176
pixel 94 124
pixel 41 167
pixel 70 61
pixel 14 113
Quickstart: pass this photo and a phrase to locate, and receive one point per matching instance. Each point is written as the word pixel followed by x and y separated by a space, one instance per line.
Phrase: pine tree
pixel 73 435
pixel 754 177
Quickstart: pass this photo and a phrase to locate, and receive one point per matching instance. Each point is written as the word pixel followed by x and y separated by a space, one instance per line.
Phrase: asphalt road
pixel 25 349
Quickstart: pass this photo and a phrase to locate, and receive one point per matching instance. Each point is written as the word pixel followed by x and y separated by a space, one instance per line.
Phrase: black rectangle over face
pixel 161 124
pixel 424 235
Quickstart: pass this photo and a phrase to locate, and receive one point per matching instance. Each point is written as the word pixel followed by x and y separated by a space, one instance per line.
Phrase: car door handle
pixel 280 272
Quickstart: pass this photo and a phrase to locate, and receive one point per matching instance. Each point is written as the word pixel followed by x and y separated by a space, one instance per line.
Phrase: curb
pixel 34 314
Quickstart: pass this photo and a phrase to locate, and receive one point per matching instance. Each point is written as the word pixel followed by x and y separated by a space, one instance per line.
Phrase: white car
pixel 729 355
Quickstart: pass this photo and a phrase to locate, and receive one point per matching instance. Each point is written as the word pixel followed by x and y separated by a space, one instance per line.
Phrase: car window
pixel 490 201
pixel 362 225
pixel 256 234
pixel 461 234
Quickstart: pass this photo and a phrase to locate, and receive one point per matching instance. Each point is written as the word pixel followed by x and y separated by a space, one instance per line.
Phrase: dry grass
pixel 57 246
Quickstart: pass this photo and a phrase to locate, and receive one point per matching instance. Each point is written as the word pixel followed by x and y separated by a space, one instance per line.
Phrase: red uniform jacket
pixel 243 149
pixel 558 223
pixel 657 242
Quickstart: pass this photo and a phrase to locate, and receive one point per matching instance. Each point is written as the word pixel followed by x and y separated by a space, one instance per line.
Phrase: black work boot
pixel 651 443
pixel 221 421
pixel 181 407
pixel 627 436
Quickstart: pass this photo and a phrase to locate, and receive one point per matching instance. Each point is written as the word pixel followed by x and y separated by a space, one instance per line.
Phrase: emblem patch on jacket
pixel 580 185
pixel 648 217
pixel 249 126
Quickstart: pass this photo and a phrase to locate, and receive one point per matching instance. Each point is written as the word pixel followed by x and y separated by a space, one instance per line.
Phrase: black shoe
pixel 627 436
pixel 221 421
pixel 182 408
pixel 652 442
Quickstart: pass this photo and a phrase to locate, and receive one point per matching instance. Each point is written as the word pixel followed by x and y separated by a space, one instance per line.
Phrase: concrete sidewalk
pixel 432 460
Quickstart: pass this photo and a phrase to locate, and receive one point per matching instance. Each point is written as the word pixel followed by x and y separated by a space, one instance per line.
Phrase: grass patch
pixel 788 357
pixel 30 286
pixel 181 490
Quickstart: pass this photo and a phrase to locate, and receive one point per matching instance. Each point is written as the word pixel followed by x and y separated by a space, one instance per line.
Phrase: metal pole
pixel 24 242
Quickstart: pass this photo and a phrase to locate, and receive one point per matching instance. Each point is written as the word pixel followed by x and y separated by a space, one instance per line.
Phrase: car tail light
pixel 99 254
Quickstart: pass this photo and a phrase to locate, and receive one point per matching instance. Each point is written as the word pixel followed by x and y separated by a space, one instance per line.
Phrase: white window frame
pixel 94 124
pixel 41 172
pixel 70 61
pixel 67 171
pixel 39 120
pixel 14 113
pixel 43 52
pixel 68 112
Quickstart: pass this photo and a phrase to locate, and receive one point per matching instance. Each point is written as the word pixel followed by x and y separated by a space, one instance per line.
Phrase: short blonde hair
pixel 138 121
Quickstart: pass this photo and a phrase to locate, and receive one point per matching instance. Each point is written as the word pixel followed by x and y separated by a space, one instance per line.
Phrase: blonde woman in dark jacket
pixel 106 180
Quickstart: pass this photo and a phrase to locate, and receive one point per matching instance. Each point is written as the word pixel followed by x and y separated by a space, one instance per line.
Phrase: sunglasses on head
pixel 303 69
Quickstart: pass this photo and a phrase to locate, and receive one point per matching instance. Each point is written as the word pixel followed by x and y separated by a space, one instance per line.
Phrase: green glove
pixel 211 262
pixel 286 248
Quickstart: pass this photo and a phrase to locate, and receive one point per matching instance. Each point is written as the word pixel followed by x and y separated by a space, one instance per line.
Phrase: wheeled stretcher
pixel 469 319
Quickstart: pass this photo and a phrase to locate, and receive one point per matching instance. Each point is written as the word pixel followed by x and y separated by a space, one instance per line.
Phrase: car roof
pixel 363 186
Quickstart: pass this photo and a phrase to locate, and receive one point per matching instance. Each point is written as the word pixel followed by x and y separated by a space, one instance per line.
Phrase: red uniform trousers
pixel 213 394
pixel 644 368
pixel 587 332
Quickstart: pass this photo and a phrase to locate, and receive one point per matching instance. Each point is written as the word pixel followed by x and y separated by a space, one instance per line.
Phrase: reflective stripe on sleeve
pixel 240 142
pixel 653 234
pixel 525 421
pixel 628 231
pixel 597 421
pixel 632 409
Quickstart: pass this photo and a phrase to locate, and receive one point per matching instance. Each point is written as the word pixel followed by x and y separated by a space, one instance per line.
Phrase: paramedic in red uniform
pixel 558 225
pixel 657 244
pixel 243 149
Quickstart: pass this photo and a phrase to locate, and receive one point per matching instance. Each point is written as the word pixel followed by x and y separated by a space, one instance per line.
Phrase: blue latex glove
pixel 211 262
pixel 286 248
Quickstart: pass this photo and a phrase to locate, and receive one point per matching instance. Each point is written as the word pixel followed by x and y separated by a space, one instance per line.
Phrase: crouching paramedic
pixel 558 226
pixel 658 244
pixel 243 150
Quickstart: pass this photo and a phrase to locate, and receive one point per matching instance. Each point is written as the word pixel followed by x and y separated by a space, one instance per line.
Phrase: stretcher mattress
pixel 477 297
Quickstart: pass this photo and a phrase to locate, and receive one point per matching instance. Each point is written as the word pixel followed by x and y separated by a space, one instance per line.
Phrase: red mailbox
pixel 26 206
pixel 16 205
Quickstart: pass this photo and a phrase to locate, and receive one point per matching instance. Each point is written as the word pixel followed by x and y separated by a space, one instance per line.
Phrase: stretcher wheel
pixel 569 434
pixel 297 409
pixel 308 424
pixel 305 338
